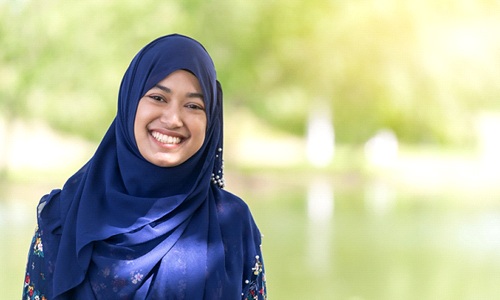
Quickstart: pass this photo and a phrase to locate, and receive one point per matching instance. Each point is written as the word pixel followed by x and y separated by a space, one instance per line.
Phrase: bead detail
pixel 218 180
pixel 217 177
pixel 257 269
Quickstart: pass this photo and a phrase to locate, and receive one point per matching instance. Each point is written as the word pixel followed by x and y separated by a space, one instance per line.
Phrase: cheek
pixel 140 122
pixel 137 124
pixel 199 129
pixel 203 128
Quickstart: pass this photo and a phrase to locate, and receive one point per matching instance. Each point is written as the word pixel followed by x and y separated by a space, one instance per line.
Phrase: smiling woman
pixel 146 217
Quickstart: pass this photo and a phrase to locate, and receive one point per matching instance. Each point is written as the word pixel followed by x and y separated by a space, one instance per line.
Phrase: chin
pixel 165 163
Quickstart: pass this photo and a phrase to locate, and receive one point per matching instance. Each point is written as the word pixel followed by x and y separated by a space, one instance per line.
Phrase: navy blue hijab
pixel 127 229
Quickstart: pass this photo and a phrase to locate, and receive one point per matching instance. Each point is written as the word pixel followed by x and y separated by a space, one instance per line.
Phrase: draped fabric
pixel 123 228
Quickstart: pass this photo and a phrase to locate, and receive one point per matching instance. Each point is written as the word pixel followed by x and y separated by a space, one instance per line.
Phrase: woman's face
pixel 170 121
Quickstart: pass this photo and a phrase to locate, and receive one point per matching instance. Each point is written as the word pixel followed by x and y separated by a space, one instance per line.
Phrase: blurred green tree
pixel 410 66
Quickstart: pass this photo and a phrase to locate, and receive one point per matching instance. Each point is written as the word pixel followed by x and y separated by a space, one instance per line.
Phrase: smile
pixel 165 139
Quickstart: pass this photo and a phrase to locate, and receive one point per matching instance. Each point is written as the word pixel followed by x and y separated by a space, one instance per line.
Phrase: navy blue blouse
pixel 38 282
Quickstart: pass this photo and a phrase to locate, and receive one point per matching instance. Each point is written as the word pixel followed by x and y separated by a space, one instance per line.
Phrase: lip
pixel 167 132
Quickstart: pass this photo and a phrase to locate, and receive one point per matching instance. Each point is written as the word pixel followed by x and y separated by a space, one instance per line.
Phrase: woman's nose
pixel 171 117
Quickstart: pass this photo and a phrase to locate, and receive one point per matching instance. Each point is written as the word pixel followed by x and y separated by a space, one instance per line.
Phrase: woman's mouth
pixel 165 139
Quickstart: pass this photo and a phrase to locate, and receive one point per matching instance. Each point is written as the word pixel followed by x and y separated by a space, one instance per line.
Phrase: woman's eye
pixel 195 106
pixel 156 98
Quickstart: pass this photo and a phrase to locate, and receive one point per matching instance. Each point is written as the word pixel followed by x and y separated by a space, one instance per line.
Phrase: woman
pixel 146 217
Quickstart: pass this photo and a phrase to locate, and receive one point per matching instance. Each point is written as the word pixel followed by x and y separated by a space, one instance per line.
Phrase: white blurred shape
pixel 320 208
pixel 34 145
pixel 489 138
pixel 320 137
pixel 382 149
pixel 320 200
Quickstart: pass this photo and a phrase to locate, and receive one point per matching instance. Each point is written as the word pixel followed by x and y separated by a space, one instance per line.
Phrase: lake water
pixel 334 238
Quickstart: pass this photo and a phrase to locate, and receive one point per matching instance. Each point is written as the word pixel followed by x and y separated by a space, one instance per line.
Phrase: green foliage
pixel 420 68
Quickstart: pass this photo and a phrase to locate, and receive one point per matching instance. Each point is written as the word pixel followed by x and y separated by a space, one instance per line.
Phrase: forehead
pixel 180 79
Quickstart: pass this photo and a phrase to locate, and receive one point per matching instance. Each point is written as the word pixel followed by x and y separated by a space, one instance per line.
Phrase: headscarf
pixel 133 230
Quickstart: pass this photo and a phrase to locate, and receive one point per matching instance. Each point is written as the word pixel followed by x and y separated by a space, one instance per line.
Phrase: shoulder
pixel 49 211
pixel 232 205
pixel 235 216
pixel 47 200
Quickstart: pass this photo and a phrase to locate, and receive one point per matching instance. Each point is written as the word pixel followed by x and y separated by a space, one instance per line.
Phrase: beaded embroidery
pixel 256 288
pixel 218 179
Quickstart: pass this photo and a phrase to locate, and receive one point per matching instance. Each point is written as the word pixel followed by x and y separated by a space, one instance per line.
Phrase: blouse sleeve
pixel 254 287
pixel 35 284
pixel 39 268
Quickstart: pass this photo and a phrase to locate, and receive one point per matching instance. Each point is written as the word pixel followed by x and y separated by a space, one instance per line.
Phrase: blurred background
pixel 363 134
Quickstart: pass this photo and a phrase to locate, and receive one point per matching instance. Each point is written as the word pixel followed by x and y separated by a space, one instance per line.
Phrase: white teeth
pixel 165 139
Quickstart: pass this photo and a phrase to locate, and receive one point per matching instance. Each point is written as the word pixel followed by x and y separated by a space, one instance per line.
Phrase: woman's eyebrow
pixel 195 95
pixel 190 95
pixel 163 88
